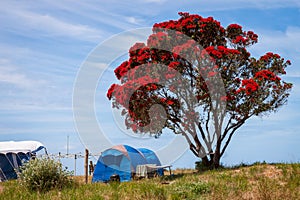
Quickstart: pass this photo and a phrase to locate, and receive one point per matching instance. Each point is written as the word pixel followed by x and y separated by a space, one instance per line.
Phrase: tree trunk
pixel 210 162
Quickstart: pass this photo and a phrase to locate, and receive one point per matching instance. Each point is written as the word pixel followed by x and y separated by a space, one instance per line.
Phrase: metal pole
pixel 75 165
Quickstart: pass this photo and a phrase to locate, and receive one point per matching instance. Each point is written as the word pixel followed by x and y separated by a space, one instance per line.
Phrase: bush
pixel 43 175
pixel 200 167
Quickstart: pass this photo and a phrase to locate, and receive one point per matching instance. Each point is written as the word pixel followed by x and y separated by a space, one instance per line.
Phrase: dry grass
pixel 259 182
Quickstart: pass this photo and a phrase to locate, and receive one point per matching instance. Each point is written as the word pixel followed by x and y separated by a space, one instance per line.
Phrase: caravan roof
pixel 20 146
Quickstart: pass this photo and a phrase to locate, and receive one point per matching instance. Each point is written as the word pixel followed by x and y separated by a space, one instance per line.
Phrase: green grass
pixel 259 181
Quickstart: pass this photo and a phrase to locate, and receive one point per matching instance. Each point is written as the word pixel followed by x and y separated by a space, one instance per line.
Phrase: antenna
pixel 68 145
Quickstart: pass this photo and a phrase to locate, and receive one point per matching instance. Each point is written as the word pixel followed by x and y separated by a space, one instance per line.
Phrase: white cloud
pixel 25 21
pixel 9 74
pixel 133 20
pixel 289 40
pixel 56 27
pixel 103 14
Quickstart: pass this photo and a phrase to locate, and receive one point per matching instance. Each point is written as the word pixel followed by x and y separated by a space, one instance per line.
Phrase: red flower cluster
pixel 155 39
pixel 133 51
pixel 143 55
pixel 110 91
pixel 190 23
pixel 252 36
pixel 151 87
pixel 240 40
pixel 234 26
pixel 167 101
pixel 266 74
pixel 122 69
pixel 174 64
pixel 237 36
pixel 269 56
pixel 220 51
pixel 248 86
pixel 185 48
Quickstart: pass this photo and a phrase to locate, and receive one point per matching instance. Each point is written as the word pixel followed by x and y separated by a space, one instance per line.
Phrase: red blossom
pixel 240 40
pixel 252 36
pixel 174 64
pixel 152 87
pixel 235 26
pixel 121 70
pixel 249 86
pixel 184 48
pixel 110 91
pixel 266 74
pixel 155 39
pixel 135 48
pixel 170 102
pixel 269 56
pixel 220 51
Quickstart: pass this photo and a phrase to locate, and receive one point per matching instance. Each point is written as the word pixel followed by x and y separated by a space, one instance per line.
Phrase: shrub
pixel 201 167
pixel 43 175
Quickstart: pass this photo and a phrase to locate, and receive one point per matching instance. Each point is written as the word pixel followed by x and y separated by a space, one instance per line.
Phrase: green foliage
pixel 43 175
pixel 200 167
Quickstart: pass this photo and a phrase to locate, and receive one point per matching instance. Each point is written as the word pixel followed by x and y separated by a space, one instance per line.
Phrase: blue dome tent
pixel 122 160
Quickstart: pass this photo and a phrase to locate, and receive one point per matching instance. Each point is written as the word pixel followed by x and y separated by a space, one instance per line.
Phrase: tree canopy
pixel 197 78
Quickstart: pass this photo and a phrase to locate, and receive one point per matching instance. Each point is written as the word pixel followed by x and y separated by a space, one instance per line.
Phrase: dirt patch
pixel 272 172
pixel 1 189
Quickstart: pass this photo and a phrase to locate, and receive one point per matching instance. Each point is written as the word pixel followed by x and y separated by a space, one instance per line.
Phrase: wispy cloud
pixel 102 15
pixel 287 40
pixel 9 74
pixel 55 27
pixel 26 21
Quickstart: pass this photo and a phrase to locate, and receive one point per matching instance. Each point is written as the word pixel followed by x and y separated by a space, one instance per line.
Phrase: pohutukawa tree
pixel 196 78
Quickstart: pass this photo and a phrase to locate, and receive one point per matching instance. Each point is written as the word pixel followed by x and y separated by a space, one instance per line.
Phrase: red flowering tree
pixel 197 79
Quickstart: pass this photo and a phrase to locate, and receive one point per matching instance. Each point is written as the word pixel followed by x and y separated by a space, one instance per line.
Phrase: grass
pixel 259 181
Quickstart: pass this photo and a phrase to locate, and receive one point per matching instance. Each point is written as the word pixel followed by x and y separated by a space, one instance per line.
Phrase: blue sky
pixel 43 44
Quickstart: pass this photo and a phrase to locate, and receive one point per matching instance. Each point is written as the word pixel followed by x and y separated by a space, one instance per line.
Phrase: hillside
pixel 261 181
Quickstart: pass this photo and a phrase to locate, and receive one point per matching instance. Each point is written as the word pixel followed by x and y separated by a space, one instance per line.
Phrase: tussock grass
pixel 259 181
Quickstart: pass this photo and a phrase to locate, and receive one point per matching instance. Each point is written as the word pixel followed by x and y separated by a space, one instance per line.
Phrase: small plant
pixel 191 190
pixel 43 175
